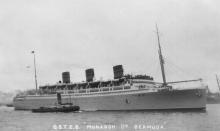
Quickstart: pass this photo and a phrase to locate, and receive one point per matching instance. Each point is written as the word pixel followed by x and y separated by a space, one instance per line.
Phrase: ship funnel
pixel 59 99
pixel 90 75
pixel 66 77
pixel 118 71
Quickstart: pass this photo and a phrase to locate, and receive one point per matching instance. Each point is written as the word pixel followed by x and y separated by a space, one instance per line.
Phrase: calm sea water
pixel 208 120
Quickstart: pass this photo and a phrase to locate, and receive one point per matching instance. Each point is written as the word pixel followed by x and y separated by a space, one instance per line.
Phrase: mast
pixel 35 71
pixel 217 82
pixel 161 59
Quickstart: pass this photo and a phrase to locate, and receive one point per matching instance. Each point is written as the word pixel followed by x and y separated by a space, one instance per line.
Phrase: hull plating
pixel 174 99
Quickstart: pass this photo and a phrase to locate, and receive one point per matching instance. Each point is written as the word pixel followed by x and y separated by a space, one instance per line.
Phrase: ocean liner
pixel 124 92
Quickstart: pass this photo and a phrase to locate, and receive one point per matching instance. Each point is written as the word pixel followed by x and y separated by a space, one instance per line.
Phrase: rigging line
pixel 175 73
pixel 157 71
pixel 180 69
pixel 172 68
pixel 155 66
pixel 180 73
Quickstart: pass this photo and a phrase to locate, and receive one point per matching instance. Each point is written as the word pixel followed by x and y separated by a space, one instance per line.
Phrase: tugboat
pixel 61 107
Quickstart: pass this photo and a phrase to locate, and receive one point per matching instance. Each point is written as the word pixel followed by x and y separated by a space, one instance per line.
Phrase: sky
pixel 73 35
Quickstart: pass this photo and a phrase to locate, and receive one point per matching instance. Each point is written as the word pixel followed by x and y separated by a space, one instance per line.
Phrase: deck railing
pixel 96 90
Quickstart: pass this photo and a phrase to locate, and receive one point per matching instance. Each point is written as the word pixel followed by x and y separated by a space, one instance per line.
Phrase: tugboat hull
pixel 56 109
